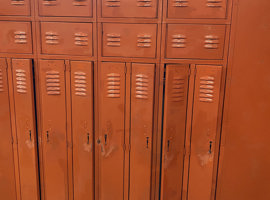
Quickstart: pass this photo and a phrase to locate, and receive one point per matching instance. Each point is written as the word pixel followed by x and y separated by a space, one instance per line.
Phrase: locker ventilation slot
pixel 49 2
pixel 180 3
pixel 142 86
pixel 80 83
pixel 113 85
pixel 144 40
pixel 207 89
pixel 53 82
pixel 1 81
pixel 21 81
pixel 144 3
pixel 214 3
pixel 113 3
pixel 52 38
pixel 79 3
pixel 113 40
pixel 20 37
pixel 211 42
pixel 81 39
pixel 178 89
pixel 17 2
pixel 179 41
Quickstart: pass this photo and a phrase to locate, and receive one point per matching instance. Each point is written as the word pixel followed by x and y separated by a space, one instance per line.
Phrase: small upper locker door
pixel 191 9
pixel 7 176
pixel 26 129
pixel 53 124
pixel 204 132
pixel 66 8
pixel 82 129
pixel 15 7
pixel 141 136
pixel 129 8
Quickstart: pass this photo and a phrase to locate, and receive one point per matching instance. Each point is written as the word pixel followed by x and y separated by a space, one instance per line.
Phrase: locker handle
pixel 47 135
pixel 88 138
pixel 147 142
pixel 210 147
pixel 30 135
pixel 105 138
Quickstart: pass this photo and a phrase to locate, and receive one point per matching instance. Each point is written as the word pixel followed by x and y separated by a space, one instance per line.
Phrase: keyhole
pixel 30 135
pixel 88 138
pixel 47 134
pixel 168 145
pixel 105 137
pixel 210 147
pixel 147 142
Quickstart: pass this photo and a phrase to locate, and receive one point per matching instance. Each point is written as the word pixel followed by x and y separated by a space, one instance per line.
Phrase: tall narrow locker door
pixel 174 127
pixel 204 131
pixel 82 129
pixel 142 104
pixel 112 133
pixel 7 176
pixel 54 136
pixel 26 132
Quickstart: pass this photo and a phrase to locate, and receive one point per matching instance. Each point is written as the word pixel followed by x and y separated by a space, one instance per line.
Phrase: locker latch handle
pixel 147 142
pixel 210 147
pixel 105 138
pixel 88 138
pixel 30 135
pixel 47 135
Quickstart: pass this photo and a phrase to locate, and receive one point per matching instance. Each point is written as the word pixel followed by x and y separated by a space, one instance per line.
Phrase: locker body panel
pixel 141 136
pixel 129 8
pixel 16 37
pixel 7 176
pixel 66 38
pixel 112 130
pixel 204 131
pixel 82 129
pixel 26 130
pixel 174 127
pixel 192 9
pixel 15 7
pixel 54 136
pixel 129 40
pixel 195 41
pixel 66 8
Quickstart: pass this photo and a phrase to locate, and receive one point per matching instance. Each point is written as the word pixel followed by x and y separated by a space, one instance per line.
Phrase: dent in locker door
pixel 111 127
pixel 25 124
pixel 53 122
pixel 174 128
pixel 204 131
pixel 142 105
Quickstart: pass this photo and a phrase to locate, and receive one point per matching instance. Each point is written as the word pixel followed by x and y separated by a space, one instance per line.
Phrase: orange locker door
pixel 112 133
pixel 53 119
pixel 142 104
pixel 7 176
pixel 204 131
pixel 129 8
pixel 174 127
pixel 66 8
pixel 195 41
pixel 25 124
pixel 66 38
pixel 82 129
pixel 188 9
pixel 16 37
pixel 129 40
pixel 15 7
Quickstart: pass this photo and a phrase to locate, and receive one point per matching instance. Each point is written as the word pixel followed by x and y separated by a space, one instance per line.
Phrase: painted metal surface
pixel 129 8
pixel 7 170
pixel 26 128
pixel 67 8
pixel 174 127
pixel 54 133
pixel 204 131
pixel 66 38
pixel 195 41
pixel 15 7
pixel 16 37
pixel 141 134
pixel 82 129
pixel 244 162
pixel 129 40
pixel 112 130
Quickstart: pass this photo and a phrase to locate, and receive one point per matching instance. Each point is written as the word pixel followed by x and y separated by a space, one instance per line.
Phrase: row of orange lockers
pixel 119 8
pixel 98 135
